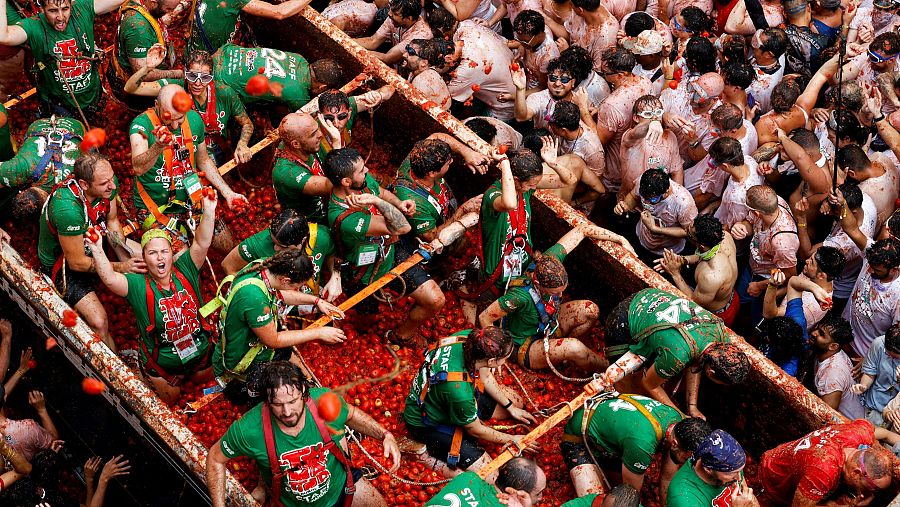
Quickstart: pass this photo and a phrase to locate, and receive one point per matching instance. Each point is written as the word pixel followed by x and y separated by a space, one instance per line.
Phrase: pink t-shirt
pixel 355 15
pixel 483 49
pixel 536 61
pixel 733 207
pixel 853 256
pixel 541 105
pixel 646 155
pixel 588 147
pixel 432 85
pixel 678 102
pixel 676 210
pixel 620 8
pixel 776 246
pixel 615 115
pixel 834 374
pixel 597 39
pixel 26 436
pixel 884 189
pixel 573 23
pixel 515 7
pixel 505 133
pixel 403 36
pixel 763 84
pixel 706 178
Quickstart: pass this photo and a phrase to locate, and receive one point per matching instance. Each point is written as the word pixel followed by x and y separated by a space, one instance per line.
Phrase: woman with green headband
pixel 175 339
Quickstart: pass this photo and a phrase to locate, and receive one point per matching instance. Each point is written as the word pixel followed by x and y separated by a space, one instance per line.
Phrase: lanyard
pixel 210 114
pixel 315 169
pixel 519 218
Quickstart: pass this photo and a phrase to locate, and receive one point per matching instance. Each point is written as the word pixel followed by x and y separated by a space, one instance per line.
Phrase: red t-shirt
pixel 812 465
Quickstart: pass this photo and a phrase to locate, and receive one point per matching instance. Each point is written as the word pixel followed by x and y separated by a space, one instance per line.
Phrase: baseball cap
pixel 648 42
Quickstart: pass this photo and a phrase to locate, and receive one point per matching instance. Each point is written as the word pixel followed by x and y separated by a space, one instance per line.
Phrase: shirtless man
pixel 582 187
pixel 716 272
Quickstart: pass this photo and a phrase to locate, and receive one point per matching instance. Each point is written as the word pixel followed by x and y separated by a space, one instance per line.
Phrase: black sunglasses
pixel 562 79
pixel 340 116
pixel 411 50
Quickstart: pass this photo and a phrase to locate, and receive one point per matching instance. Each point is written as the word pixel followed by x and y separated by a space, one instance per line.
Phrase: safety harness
pixel 152 304
pixel 443 377
pixel 170 223
pixel 718 329
pixel 55 139
pixel 443 202
pixel 328 445
pixel 547 326
pixel 162 36
pixel 373 250
pixel 590 407
pixel 94 214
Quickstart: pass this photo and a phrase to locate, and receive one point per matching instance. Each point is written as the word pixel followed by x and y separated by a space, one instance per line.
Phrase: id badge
pixel 193 186
pixel 512 266
pixel 367 255
pixel 185 347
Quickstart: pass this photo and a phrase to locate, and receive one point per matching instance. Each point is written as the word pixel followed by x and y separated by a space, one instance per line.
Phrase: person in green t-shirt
pixel 45 159
pixel 292 80
pixel 250 315
pixel 622 495
pixel 7 144
pixel 61 39
pixel 84 202
pixel 673 334
pixel 339 111
pixel 520 482
pixel 366 219
pixel 299 179
pixel 168 151
pixel 166 300
pixel 629 429
pixel 216 103
pixel 533 312
pixel 506 219
pixel 713 476
pixel 313 463
pixel 290 229
pixel 214 23
pixel 446 399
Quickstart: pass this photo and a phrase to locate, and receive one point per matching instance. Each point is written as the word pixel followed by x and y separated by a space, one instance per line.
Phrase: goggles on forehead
pixel 652 114
pixel 193 77
pixel 698 94
pixel 878 58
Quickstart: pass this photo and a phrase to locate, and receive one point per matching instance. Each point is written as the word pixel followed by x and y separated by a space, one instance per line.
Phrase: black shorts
pixel 438 443
pixel 413 278
pixel 576 454
pixel 76 286
pixel 357 474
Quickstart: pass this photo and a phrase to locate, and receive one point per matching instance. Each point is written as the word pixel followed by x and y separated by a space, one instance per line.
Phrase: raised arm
pixel 508 199
pixel 10 35
pixel 204 234
pixel 391 220
pixel 115 281
pixel 275 11
pixel 563 176
pixel 137 84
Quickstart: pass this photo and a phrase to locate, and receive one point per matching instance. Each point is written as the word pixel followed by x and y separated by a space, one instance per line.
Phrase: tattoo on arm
pixel 394 218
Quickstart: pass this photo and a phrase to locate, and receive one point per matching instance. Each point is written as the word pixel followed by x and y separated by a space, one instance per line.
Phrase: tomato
pixel 51 342
pixel 514 66
pixel 94 138
pixel 673 84
pixel 476 88
pixel 182 102
pixel 92 386
pixel 257 85
pixel 329 406
pixel 70 318
pixel 502 148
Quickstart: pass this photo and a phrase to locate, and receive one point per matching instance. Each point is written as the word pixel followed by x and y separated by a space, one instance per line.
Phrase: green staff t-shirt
pixel 496 230
pixel 449 403
pixel 522 316
pixel 688 490
pixel 288 74
pixel 219 19
pixel 466 489
pixel 250 308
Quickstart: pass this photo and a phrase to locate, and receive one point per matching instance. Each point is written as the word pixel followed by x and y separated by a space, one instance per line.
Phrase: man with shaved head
pixel 299 180
pixel 168 153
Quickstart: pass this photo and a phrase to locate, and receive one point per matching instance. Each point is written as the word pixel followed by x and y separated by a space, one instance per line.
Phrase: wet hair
pixel 762 198
pixel 339 164
pixel 558 65
pixel 85 165
pixel 289 228
pixel 727 150
pixel 588 5
pixel 406 8
pixel 853 195
pixel 199 56
pixel 27 204
pixel 645 102
pixel 625 496
pixel 638 22
pixel 773 40
pixel 892 339
pixel 550 273
pixel 276 374
pixel 708 230
pixel 428 51
pixel 482 128
pixel 785 95
pixel 529 22
pixel 579 61
pixel 887 43
pixel 853 158
pixel 734 49
pixel 884 253
pixel 738 73
pixel 440 20
pixel 838 327
pixel 878 462
pixel 333 99
pixel 700 55
pixel 292 263
pixel 444 48
pixel 427 156
pixel 616 327
pixel 566 115
pixel 525 164
pixel 654 183
pixel 533 140
pixel 806 138
pixel 851 98
pixel 727 116
pixel 328 72
pixel 849 128
pixel 618 59
pixel 696 20
pixel 830 261
pixel 488 343
pixel 893 224
pixel 690 432
pixel 727 363
pixel 518 473
pixel 782 338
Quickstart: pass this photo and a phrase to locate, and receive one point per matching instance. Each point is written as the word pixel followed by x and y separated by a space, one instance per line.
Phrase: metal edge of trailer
pixel 125 391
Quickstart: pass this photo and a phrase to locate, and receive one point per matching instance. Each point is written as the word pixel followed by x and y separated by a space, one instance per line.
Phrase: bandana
pixel 153 234
pixel 721 452
pixel 709 254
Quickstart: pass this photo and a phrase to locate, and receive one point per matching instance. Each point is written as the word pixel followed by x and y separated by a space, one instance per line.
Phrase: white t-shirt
pixel 874 306
pixel 834 374
pixel 676 210
pixel 733 207
pixel 481 48
pixel 853 257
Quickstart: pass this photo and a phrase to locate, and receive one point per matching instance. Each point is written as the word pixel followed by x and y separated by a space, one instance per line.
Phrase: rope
pixel 212 271
pixel 515 377
pixel 553 368
pixel 72 94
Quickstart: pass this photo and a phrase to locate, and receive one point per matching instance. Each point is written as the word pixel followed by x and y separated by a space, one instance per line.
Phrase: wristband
pixel 316 302
pixel 880 118
pixel 508 404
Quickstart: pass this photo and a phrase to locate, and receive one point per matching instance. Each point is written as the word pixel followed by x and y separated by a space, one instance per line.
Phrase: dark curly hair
pixel 708 230
pixel 727 362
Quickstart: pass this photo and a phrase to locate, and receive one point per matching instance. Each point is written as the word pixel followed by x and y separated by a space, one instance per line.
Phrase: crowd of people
pixel 746 149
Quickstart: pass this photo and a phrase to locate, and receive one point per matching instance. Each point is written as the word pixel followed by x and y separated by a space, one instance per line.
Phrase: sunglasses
pixel 653 200
pixel 562 79
pixel 653 114
pixel 193 77
pixel 336 117
pixel 411 51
